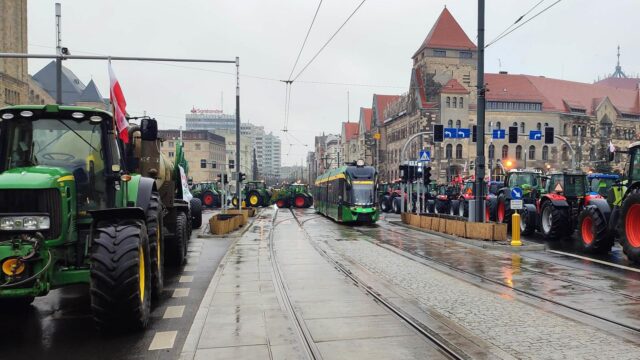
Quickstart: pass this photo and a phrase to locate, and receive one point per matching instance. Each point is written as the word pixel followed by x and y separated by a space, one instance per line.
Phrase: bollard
pixel 515 229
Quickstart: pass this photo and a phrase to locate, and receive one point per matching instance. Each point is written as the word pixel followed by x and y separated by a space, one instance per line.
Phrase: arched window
pixel 448 101
pixel 448 151
pixel 459 151
pixel 518 152
pixel 498 125
pixel 565 153
pixel 492 151
pixel 522 128
pixel 458 124
pixel 461 102
pixel 505 151
pixel 450 123
pixel 545 152
pixel 592 153
pixel 539 126
pixel 455 102
pixel 565 129
pixel 546 124
pixel 532 152
pixel 515 124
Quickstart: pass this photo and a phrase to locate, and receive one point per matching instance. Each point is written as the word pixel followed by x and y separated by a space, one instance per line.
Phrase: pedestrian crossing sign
pixel 425 155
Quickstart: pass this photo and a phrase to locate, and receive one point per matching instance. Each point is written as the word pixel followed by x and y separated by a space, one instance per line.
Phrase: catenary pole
pixel 238 183
pixel 480 213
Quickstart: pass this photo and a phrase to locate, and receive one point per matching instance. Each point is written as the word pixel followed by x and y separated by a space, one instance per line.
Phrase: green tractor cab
pixel 209 193
pixel 254 194
pixel 67 205
pixel 296 195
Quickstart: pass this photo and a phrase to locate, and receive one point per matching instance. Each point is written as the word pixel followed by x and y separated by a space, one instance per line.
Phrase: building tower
pixel 619 73
pixel 14 86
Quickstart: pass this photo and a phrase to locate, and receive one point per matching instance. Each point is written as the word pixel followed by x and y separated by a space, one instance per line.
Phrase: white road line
pixel 192 260
pixel 180 292
pixel 163 340
pixel 186 279
pixel 595 260
pixel 193 253
pixel 173 312
pixel 189 268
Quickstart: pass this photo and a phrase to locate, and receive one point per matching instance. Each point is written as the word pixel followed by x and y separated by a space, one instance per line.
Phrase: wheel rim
pixel 631 226
pixel 208 199
pixel 587 230
pixel 141 278
pixel 547 220
pixel 234 201
pixel 501 211
pixel 299 201
pixel 253 199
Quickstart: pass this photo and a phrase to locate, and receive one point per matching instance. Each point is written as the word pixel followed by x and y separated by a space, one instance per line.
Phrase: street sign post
pixel 516 204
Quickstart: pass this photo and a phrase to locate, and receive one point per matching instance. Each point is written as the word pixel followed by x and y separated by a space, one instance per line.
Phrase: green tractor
pixel 617 217
pixel 254 194
pixel 71 213
pixel 296 195
pixel 208 193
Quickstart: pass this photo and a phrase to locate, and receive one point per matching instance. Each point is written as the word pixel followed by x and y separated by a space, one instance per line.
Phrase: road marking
pixel 181 292
pixel 173 312
pixel 193 253
pixel 189 268
pixel 163 340
pixel 185 279
pixel 595 260
pixel 192 260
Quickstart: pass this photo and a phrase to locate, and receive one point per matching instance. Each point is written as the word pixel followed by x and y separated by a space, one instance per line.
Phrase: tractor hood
pixel 35 177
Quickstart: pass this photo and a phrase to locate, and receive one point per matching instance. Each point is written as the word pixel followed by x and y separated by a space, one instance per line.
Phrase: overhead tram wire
pixel 519 26
pixel 519 19
pixel 305 39
pixel 328 41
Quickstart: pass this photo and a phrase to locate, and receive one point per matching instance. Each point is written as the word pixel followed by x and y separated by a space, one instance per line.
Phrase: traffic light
pixel 404 173
pixel 438 133
pixel 426 175
pixel 242 177
pixel 203 164
pixel 548 135
pixel 474 133
pixel 513 134
pixel 226 180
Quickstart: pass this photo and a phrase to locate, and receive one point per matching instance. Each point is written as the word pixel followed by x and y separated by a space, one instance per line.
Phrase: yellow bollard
pixel 515 229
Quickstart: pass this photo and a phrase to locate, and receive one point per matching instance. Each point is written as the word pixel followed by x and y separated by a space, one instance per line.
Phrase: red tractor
pixel 468 193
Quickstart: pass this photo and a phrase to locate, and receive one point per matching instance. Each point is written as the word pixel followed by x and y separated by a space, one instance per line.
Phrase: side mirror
pixel 149 129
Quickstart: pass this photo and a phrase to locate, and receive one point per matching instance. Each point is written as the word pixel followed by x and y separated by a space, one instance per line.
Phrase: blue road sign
pixel 516 193
pixel 464 133
pixel 450 133
pixel 535 135
pixel 425 155
pixel 499 134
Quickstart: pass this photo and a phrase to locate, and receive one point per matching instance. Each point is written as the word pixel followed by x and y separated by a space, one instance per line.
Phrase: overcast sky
pixel 574 40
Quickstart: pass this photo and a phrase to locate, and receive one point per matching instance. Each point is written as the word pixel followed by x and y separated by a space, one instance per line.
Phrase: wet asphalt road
pixel 59 326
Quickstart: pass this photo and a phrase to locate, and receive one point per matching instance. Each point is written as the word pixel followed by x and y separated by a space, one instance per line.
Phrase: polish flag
pixel 119 107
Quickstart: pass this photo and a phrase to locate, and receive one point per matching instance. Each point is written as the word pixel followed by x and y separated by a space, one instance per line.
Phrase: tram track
pixel 432 337
pixel 501 284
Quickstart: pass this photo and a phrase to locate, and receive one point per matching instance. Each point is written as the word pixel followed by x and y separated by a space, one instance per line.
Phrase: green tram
pixel 348 194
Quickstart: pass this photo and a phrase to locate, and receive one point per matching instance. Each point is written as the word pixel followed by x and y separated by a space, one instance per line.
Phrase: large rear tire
pixel 176 248
pixel 209 199
pixel 593 233
pixel 503 210
pixel 492 207
pixel 299 201
pixel 554 221
pixel 527 221
pixel 630 226
pixel 156 245
pixel 281 203
pixel 254 199
pixel 395 205
pixel 385 205
pixel 196 213
pixel 120 286
pixel 454 207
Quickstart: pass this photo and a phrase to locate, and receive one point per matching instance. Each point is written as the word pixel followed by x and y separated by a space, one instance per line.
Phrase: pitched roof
pixel 380 103
pixel 349 130
pixel 453 87
pixel 558 95
pixel 446 33
pixel 91 93
pixel 365 116
pixel 72 87
pixel 621 83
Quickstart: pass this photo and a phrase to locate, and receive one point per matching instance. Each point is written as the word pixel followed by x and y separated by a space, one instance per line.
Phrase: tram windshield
pixel 363 194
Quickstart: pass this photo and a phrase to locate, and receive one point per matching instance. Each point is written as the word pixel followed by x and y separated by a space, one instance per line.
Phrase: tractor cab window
pixel 69 144
pixel 468 188
pixel 517 180
pixel 574 185
pixel 601 186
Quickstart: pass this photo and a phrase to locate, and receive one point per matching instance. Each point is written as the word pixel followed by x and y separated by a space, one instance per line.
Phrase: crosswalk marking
pixel 186 279
pixel 173 312
pixel 163 340
pixel 181 292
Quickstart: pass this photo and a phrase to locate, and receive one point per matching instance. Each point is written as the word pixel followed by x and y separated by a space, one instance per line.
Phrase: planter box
pixel 425 222
pixel 414 220
pixel 500 232
pixel 405 217
pixel 442 226
pixel 221 224
pixel 435 224
pixel 244 214
pixel 459 228
pixel 480 231
pixel 252 212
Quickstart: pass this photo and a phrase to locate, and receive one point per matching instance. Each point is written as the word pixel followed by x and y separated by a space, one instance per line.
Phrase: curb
pixel 493 245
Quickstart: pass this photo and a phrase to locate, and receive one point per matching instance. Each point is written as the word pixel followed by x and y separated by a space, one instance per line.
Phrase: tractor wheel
pixel 196 213
pixel 156 245
pixel 395 205
pixel 310 197
pixel 385 203
pixel 299 201
pixel 503 211
pixel 234 202
pixel 554 221
pixel 281 203
pixel 454 207
pixel 254 199
pixel 176 253
pixel 527 221
pixel 308 201
pixel 120 275
pixel 209 199
pixel 492 207
pixel 630 229
pixel 594 235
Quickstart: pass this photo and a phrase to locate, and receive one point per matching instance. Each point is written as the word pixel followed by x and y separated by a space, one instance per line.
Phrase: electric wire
pixel 305 39
pixel 518 20
pixel 521 25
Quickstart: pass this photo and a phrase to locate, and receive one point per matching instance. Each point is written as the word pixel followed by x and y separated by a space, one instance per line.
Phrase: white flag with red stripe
pixel 119 106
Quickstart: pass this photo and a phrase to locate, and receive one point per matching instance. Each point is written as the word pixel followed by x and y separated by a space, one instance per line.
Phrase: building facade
pixel 204 151
pixel 14 77
pixel 349 142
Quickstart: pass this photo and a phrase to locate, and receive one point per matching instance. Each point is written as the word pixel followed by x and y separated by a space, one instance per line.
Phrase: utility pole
pixel 238 133
pixel 59 53
pixel 480 213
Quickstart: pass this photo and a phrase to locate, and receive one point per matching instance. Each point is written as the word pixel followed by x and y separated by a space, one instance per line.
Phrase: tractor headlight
pixel 35 222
